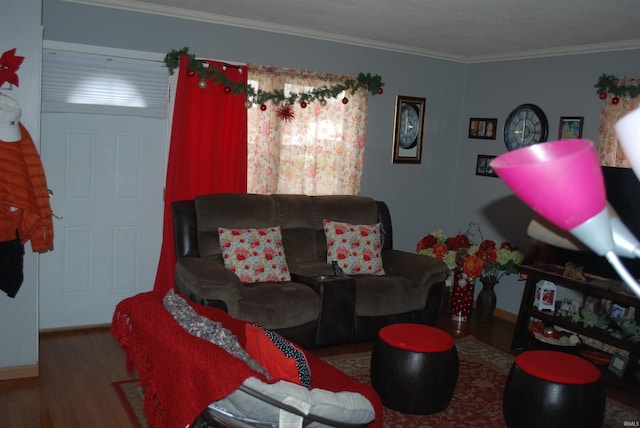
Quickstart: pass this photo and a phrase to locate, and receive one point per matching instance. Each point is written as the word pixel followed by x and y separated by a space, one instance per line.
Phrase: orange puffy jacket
pixel 24 197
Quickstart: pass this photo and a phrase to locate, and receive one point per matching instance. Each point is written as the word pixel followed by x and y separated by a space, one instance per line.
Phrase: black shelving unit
pixel 599 287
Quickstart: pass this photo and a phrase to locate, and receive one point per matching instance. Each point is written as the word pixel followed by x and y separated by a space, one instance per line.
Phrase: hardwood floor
pixel 77 369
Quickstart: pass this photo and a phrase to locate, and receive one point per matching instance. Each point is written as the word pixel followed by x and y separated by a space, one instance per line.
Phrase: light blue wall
pixel 443 191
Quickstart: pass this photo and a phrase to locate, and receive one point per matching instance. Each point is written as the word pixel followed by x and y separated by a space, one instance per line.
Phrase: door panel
pixel 107 175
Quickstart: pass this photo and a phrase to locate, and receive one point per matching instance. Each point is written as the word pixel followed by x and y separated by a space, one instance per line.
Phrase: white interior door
pixel 107 175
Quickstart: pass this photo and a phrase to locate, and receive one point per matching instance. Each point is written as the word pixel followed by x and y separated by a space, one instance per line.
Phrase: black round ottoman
pixel 414 368
pixel 553 389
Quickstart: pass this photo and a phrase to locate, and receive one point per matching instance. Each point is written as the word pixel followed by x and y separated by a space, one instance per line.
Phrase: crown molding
pixel 181 13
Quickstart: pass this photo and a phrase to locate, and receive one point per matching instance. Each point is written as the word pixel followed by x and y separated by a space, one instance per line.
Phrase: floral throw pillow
pixel 356 248
pixel 255 255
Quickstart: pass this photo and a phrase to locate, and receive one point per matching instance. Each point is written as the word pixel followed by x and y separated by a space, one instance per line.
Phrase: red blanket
pixel 181 374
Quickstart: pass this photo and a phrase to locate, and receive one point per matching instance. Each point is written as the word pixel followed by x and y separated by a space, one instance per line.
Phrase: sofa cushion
pixel 279 305
pixel 356 248
pixel 387 295
pixel 255 255
pixel 232 211
pixel 277 355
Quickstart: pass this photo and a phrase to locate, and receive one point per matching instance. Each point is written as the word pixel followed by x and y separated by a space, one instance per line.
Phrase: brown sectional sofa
pixel 316 308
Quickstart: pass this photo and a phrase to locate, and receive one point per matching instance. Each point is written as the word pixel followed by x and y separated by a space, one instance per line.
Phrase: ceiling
pixel 458 30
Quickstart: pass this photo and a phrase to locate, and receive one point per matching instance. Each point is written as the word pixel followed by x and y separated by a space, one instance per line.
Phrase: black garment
pixel 11 266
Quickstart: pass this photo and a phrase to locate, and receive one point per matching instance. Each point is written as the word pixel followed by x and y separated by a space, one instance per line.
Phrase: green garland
pixel 373 84
pixel 609 84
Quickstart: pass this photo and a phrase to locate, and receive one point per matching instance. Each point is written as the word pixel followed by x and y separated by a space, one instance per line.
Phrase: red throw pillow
pixel 255 255
pixel 277 355
pixel 356 247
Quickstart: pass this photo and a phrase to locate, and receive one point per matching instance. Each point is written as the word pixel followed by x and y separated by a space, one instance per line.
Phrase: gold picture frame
pixel 408 129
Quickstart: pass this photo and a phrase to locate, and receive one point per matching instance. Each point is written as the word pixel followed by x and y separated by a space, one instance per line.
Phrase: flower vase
pixel 445 301
pixel 461 296
pixel 486 302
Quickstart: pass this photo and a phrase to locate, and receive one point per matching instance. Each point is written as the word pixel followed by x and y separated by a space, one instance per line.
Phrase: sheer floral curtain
pixel 320 151
pixel 609 150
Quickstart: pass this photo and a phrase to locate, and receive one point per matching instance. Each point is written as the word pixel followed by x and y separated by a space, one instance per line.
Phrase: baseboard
pixel 19 372
pixel 508 316
pixel 75 328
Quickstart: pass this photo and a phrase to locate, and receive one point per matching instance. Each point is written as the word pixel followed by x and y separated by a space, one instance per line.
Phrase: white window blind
pixel 98 84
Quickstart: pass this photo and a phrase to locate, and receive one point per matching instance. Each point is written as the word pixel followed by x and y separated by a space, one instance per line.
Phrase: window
pixel 319 152
pixel 88 83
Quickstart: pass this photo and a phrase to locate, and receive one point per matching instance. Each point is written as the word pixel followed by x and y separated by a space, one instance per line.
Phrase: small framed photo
pixel 618 364
pixel 483 166
pixel 482 128
pixel 570 128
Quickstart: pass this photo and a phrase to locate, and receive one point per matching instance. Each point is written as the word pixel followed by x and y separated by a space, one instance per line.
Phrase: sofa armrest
pixel 208 280
pixel 338 305
pixel 423 270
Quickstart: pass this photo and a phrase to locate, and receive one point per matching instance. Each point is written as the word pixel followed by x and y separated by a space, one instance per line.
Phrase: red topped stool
pixel 414 368
pixel 553 389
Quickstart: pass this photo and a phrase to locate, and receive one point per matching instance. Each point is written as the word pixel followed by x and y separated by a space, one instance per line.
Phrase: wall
pixel 20 27
pixel 561 86
pixel 443 191
pixel 417 196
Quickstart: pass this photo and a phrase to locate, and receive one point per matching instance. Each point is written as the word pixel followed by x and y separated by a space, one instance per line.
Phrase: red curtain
pixel 208 150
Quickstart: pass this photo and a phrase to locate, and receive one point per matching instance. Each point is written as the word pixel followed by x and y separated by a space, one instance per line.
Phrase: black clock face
pixel 526 125
pixel 409 126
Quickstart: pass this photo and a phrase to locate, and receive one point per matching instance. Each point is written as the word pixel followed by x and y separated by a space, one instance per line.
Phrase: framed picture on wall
pixel 482 128
pixel 570 128
pixel 483 166
pixel 408 129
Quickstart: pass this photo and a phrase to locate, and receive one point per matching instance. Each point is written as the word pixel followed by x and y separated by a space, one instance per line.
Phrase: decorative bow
pixel 9 64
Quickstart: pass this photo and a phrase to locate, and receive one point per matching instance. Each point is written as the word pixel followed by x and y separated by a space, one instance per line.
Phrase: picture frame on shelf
pixel 483 128
pixel 570 128
pixel 408 129
pixel 618 364
pixel 483 166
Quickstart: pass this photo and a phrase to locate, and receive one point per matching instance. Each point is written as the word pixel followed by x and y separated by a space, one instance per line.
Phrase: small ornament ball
pixel 227 90
pixel 615 100
pixel 263 107
pixel 303 104
pixel 345 100
pixel 248 104
pixel 380 90
pixel 190 73
pixel 602 95
pixel 202 84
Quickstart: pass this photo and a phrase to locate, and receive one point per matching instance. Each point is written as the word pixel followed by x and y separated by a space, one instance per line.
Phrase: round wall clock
pixel 409 126
pixel 526 125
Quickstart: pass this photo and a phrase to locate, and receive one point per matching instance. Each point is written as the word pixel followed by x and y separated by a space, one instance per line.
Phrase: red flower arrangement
pixel 486 260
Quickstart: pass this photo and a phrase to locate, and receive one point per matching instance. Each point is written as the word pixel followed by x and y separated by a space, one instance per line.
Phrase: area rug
pixel 477 400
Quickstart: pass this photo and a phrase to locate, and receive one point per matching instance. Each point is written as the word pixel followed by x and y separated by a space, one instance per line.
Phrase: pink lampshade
pixel 560 180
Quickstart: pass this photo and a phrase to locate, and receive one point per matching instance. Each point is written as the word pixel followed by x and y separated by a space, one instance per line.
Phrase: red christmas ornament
pixel 285 112
pixel 380 90
pixel 190 73
pixel 227 89
pixel 345 100
pixel 615 100
pixel 303 104
pixel 263 107
pixel 602 95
